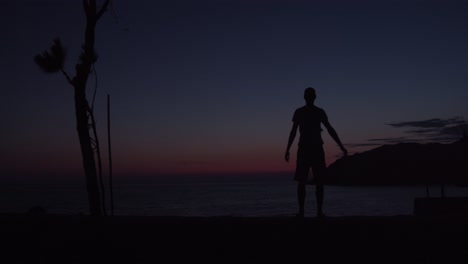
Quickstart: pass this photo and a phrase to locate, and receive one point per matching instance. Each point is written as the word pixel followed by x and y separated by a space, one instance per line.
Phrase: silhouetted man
pixel 310 152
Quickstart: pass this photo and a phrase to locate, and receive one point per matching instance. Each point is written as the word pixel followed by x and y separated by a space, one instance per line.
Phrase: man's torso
pixel 309 119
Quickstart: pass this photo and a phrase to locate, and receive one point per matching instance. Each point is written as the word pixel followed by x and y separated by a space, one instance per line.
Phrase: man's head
pixel 309 95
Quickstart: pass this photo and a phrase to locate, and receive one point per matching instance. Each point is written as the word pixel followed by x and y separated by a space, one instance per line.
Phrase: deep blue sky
pixel 212 85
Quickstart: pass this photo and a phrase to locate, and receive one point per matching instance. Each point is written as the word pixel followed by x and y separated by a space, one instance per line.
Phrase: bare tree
pixel 53 61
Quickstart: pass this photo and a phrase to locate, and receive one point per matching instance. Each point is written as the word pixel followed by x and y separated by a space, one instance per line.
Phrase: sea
pixel 262 195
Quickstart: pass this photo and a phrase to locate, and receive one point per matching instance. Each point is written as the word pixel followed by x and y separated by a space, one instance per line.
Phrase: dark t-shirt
pixel 309 119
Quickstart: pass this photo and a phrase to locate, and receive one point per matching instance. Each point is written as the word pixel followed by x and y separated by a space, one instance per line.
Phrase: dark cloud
pixel 455 130
pixel 386 139
pixel 357 145
pixel 432 130
pixel 425 131
pixel 399 140
pixel 430 123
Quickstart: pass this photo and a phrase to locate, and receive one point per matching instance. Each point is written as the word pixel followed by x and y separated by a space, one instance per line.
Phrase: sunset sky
pixel 211 85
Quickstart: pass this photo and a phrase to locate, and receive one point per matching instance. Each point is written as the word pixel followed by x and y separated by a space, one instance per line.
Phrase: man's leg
pixel 319 193
pixel 319 169
pixel 301 193
pixel 302 170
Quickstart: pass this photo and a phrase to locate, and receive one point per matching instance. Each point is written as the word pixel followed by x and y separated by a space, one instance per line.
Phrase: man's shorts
pixel 310 158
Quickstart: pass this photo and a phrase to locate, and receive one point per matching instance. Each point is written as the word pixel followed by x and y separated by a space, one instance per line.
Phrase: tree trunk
pixel 88 57
pixel 52 62
pixel 82 125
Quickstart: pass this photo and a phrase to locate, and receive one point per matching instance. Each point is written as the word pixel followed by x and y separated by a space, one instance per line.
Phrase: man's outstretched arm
pixel 292 136
pixel 334 135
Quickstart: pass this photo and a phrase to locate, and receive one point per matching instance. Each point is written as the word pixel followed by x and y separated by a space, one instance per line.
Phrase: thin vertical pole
pixel 98 154
pixel 110 156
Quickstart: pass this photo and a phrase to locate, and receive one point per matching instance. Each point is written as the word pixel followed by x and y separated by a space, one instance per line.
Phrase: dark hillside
pixel 404 163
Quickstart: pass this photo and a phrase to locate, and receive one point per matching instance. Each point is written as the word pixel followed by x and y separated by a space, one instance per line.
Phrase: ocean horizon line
pixel 69 177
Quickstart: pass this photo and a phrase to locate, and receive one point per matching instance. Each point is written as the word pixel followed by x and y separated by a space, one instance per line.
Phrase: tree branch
pixel 102 10
pixel 67 76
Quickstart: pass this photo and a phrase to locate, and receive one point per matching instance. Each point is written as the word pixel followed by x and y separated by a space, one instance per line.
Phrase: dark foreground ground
pixel 122 239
